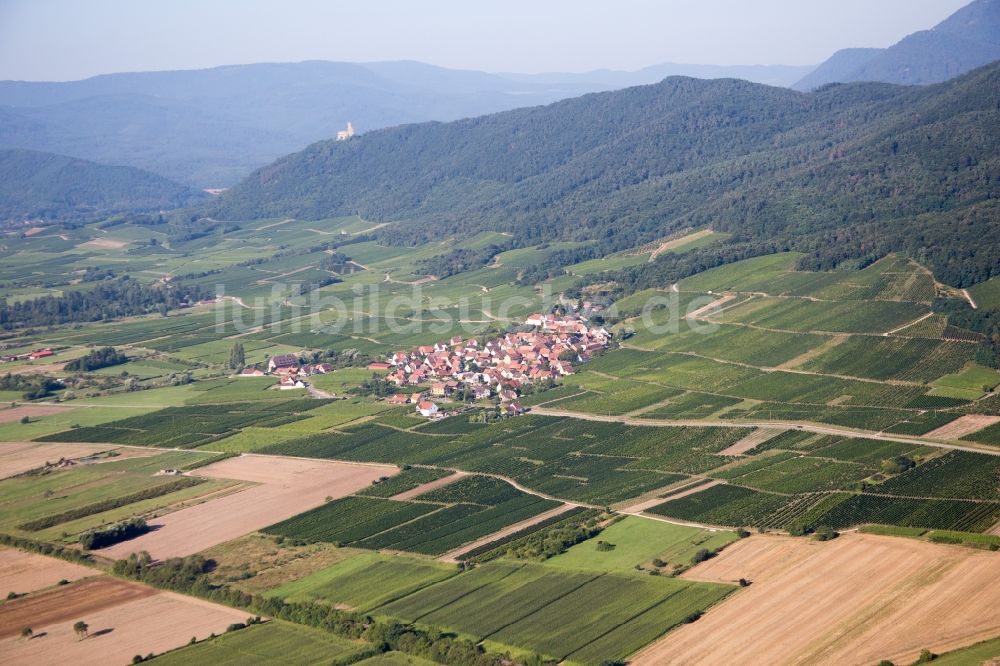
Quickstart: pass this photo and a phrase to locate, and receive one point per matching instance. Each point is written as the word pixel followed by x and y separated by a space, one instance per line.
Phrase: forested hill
pixel 48 187
pixel 847 171
pixel 967 39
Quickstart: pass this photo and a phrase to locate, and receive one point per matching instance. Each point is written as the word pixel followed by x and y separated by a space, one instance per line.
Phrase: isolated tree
pixel 26 632
pixel 81 628
pixel 25 419
pixel 237 357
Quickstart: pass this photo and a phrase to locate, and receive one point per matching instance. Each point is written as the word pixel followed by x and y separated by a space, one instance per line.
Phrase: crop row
pixel 349 519
pixel 956 474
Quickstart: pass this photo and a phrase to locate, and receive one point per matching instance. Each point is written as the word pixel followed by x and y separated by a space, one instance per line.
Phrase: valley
pixel 753 399
pixel 635 369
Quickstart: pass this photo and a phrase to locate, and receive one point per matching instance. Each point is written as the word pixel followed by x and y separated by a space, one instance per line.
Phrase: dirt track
pixel 31 411
pixel 754 439
pixel 856 600
pixel 287 486
pixel 507 531
pixel 429 486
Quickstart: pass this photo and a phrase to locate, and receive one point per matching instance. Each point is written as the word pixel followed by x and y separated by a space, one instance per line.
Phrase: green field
pixel 365 581
pixel 269 643
pixel 62 503
pixel 585 617
pixel 638 541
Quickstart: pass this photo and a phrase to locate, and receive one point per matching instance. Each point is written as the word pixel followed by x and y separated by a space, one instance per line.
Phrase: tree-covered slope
pixel 48 187
pixel 967 39
pixel 211 127
pixel 862 163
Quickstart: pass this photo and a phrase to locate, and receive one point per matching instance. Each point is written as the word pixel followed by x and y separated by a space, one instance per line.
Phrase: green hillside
pixel 50 188
pixel 847 172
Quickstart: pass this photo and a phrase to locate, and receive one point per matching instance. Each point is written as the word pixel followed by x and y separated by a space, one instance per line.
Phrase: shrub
pixel 701 555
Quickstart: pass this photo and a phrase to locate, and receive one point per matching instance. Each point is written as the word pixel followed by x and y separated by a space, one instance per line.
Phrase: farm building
pixel 427 408
pixel 283 364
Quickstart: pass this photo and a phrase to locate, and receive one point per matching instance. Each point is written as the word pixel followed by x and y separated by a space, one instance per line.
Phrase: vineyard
pixel 190 426
pixel 365 581
pixel 587 618
pixel 406 480
pixel 435 523
pixel 349 519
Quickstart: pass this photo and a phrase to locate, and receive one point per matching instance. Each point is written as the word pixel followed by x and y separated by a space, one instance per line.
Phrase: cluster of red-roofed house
pixel 497 367
pixel 287 368
pixel 29 356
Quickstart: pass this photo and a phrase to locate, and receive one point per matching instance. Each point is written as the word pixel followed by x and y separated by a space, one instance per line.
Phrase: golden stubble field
pixel 19 457
pixel 285 487
pixel 124 619
pixel 855 600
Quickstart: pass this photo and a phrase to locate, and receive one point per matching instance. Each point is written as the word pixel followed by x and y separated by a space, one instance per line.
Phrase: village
pixel 499 369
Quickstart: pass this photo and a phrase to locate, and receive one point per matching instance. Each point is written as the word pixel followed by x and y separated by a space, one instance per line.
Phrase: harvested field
pixel 26 572
pixel 19 457
pixel 855 600
pixel 125 619
pixel 429 486
pixel 287 487
pixel 754 439
pixel 962 426
pixel 104 244
pixel 31 411
pixel 68 603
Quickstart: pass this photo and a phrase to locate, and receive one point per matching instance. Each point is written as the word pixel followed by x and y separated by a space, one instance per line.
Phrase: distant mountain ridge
pixel 55 188
pixel 846 172
pixel 967 39
pixel 209 128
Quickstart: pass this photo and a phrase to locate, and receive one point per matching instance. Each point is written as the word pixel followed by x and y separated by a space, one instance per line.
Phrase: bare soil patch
pixel 153 622
pixel 104 244
pixel 273 564
pixel 754 439
pixel 804 358
pixel 704 311
pixel 962 426
pixel 429 486
pixel 26 572
pixel 19 457
pixel 683 492
pixel 68 603
pixel 287 486
pixel 677 242
pixel 31 411
pixel 29 368
pixel 855 600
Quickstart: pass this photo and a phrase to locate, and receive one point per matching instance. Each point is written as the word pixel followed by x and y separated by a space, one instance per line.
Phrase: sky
pixel 56 40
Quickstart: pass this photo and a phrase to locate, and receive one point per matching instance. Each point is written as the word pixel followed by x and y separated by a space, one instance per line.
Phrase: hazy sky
pixel 71 39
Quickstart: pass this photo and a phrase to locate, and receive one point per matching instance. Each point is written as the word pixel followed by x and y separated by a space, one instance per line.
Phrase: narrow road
pixel 912 323
pixel 968 297
pixel 452 556
pixel 788 425
pixel 319 394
